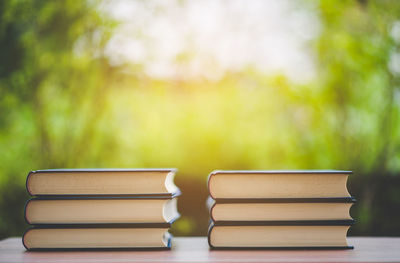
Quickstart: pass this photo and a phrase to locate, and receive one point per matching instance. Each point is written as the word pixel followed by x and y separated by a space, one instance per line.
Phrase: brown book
pixel 100 210
pixel 278 184
pixel 134 182
pixel 90 237
pixel 279 234
pixel 286 209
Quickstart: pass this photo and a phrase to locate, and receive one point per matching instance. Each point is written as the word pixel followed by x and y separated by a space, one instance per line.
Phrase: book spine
pixel 28 177
pixel 209 235
pixel 25 213
pixel 23 239
pixel 209 185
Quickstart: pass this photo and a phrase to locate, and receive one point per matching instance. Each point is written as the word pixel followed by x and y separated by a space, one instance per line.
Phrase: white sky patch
pixel 191 39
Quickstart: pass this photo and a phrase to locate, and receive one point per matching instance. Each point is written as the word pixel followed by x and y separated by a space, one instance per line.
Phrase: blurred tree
pixel 359 103
pixel 53 84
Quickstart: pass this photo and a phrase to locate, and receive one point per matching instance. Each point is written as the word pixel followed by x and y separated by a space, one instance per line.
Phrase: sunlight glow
pixel 192 39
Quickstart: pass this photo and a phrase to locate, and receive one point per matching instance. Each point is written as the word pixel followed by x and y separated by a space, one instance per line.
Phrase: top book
pixel 133 182
pixel 278 184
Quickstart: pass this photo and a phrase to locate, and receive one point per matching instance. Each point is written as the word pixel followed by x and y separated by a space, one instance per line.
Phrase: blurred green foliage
pixel 63 105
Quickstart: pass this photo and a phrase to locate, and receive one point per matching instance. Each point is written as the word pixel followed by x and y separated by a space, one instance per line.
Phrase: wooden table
pixel 195 249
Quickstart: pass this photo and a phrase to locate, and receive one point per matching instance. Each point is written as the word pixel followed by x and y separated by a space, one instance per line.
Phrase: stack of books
pixel 100 209
pixel 279 209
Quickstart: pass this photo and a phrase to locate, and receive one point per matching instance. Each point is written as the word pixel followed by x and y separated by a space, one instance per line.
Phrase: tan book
pixel 100 210
pixel 278 184
pixel 286 209
pixel 63 238
pixel 152 182
pixel 292 235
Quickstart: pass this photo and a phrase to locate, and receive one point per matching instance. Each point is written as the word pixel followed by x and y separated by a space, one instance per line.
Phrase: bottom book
pixel 274 236
pixel 93 238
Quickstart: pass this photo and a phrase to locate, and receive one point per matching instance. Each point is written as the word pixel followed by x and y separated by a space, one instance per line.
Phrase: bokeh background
pixel 203 85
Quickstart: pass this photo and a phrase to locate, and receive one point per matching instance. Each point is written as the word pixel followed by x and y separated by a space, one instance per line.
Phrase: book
pixel 279 235
pixel 100 210
pixel 134 182
pixel 286 209
pixel 278 184
pixel 90 237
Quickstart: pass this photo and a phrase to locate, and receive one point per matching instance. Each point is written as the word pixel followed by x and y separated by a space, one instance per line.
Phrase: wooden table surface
pixel 195 249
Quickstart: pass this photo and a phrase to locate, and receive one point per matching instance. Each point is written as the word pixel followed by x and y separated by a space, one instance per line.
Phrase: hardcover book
pixel 134 182
pixel 278 184
pixel 94 237
pixel 279 235
pixel 100 210
pixel 264 209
